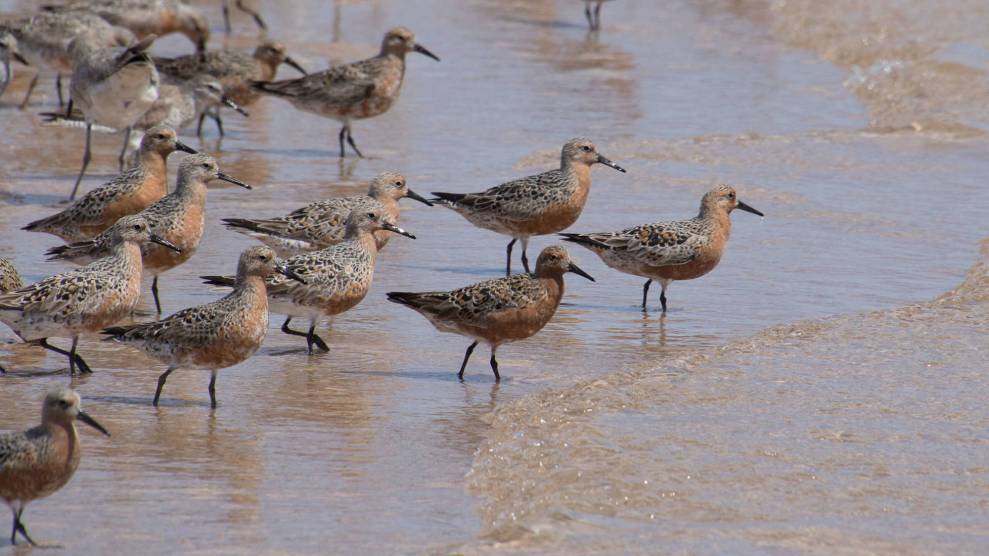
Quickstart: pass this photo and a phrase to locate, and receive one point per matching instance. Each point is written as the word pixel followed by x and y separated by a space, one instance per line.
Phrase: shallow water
pixel 750 419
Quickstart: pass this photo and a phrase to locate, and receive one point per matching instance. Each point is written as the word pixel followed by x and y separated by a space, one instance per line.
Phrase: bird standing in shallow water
pixel 668 251
pixel 9 280
pixel 323 223
pixel 87 299
pixel 536 205
pixel 498 311
pixel 336 279
pixel 216 335
pixel 146 17
pixel 353 91
pixel 593 17
pixel 39 461
pixel 179 218
pixel 130 192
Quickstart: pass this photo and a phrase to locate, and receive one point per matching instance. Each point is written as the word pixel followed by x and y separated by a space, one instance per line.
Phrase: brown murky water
pixel 804 397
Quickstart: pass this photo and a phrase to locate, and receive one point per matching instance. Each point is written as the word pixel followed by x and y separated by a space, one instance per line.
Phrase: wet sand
pixel 803 397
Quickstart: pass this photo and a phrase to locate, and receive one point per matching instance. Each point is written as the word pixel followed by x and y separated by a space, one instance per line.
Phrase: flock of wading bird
pixel 317 261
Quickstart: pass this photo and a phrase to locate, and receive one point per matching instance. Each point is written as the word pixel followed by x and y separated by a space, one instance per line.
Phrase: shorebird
pixel 336 278
pixel 113 87
pixel 8 50
pixel 593 18
pixel 535 205
pixel 38 462
pixel 322 224
pixel 43 39
pixel 668 251
pixel 128 193
pixel 234 68
pixel 215 335
pixel 179 218
pixel 87 299
pixel 498 311
pixel 9 280
pixel 179 106
pixel 146 18
pixel 240 6
pixel 353 91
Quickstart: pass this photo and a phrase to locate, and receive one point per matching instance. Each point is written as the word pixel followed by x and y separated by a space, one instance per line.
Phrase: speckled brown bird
pixel 535 205
pixel 38 462
pixel 668 251
pixel 216 335
pixel 84 300
pixel 353 91
pixel 498 311
pixel 323 223
pixel 179 218
pixel 128 193
pixel 146 17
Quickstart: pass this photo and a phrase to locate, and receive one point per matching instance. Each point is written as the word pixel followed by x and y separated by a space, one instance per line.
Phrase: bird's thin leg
pixel 13 529
pixel 68 108
pixel 87 155
pixel 257 17
pixel 587 13
pixel 662 294
pixel 343 137
pixel 22 529
pixel 494 364
pixel 215 115
pixel 123 150
pixel 161 384
pixel 470 350
pixel 645 292
pixel 74 360
pixel 212 389
pixel 525 258
pixel 199 126
pixel 508 251
pixel 30 89
pixel 58 87
pixel 350 141
pixel 226 16
pixel 314 338
pixel 597 16
pixel 80 362
pixel 154 293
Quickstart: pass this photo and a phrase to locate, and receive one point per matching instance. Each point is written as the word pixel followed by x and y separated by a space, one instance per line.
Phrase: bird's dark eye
pixel 137 227
pixel 586 148
pixel 398 183
pixel 63 404
pixel 372 215
pixel 206 166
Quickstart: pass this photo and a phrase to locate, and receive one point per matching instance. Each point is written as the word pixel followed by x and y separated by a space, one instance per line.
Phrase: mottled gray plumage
pixel 323 223
pixel 146 17
pixel 9 278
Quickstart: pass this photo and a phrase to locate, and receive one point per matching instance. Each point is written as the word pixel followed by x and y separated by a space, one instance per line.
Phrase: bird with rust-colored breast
pixel 670 251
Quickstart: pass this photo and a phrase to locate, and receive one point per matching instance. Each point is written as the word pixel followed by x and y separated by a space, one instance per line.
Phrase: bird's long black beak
pixel 396 229
pixel 607 162
pixel 235 181
pixel 20 59
pixel 295 65
pixel 747 208
pixel 577 270
pixel 287 272
pixel 164 242
pixel 233 105
pixel 422 50
pixel 413 195
pixel 85 418
pixel 180 146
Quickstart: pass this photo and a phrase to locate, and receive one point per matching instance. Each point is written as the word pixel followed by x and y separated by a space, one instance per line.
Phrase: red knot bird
pixel 535 205
pixel 113 87
pixel 84 300
pixel 323 223
pixel 147 17
pixel 216 335
pixel 128 193
pixel 668 251
pixel 497 311
pixel 9 280
pixel 353 91
pixel 235 69
pixel 36 463
pixel 179 218
pixel 43 39
pixel 336 278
